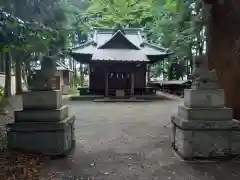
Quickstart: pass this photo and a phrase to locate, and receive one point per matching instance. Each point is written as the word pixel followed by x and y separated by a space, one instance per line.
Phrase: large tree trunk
pixel 224 49
pixel 8 75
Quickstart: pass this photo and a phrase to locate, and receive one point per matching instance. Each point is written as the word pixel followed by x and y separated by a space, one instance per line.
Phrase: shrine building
pixel 118 60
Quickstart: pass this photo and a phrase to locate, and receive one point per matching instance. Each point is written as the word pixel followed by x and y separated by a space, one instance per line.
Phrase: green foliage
pixel 110 13
pixel 76 20
pixel 175 24
pixel 22 35
pixel 1 91
pixel 3 101
pixel 178 25
pixel 53 25
pixel 41 28
pixel 75 80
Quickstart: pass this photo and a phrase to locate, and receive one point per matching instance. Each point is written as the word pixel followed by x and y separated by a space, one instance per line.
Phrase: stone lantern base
pixel 43 126
pixel 203 127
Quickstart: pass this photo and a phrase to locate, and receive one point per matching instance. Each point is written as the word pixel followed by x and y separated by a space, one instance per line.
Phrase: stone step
pixel 205 125
pixel 205 114
pixel 53 138
pixel 120 100
pixel 205 139
pixel 41 115
pixel 41 126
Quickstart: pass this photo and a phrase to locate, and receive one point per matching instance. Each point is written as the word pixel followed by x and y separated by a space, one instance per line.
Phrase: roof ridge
pixel 83 44
pixel 112 29
pixel 156 46
pixel 62 65
pixel 58 64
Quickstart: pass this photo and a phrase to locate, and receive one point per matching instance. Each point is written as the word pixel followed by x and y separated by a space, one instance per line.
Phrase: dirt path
pixel 130 141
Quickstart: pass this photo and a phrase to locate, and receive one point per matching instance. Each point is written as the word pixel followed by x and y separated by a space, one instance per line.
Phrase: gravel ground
pixel 130 141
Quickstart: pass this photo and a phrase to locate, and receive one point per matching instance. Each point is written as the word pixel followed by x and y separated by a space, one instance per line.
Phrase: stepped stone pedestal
pixel 43 126
pixel 204 127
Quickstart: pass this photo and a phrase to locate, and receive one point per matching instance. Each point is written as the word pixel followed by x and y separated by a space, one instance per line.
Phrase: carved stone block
pixel 41 115
pixel 42 100
pixel 205 114
pixel 211 98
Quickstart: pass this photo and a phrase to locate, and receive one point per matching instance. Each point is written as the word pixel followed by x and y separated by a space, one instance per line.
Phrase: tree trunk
pixel 75 66
pixel 75 72
pixel 223 49
pixel 18 74
pixel 25 74
pixel 8 75
pixel 81 75
pixel 2 66
pixel 198 31
pixel 170 73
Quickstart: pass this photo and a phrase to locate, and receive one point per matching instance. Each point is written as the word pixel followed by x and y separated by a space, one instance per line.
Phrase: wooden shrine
pixel 118 61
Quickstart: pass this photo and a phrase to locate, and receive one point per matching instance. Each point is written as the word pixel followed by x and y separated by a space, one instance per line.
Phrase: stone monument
pixel 44 125
pixel 203 127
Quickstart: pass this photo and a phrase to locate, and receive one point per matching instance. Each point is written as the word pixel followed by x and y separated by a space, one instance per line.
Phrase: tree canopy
pixel 51 26
pixel 175 24
pixel 109 13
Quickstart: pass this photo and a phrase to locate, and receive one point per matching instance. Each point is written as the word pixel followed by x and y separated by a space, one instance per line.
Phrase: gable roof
pixel 133 39
pixel 120 55
pixel 152 49
pixel 100 36
pixel 118 40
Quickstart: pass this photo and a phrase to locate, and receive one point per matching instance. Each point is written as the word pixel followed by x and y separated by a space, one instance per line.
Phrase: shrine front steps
pixel 120 100
pixel 136 98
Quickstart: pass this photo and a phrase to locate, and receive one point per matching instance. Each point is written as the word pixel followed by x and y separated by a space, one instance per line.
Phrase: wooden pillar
pixel 132 84
pixel 89 75
pixel 148 73
pixel 106 84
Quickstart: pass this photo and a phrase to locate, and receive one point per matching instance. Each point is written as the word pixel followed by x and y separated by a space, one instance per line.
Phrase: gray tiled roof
pixel 150 49
pixel 102 35
pixel 89 49
pixel 119 55
pixel 119 35
pixel 134 35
